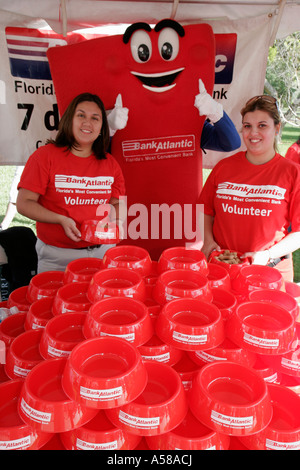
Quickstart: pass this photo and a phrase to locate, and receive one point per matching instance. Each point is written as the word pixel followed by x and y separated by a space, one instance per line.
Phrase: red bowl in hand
pixel 95 232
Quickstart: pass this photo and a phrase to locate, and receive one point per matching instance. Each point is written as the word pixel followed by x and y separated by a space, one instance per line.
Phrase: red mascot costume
pixel 155 73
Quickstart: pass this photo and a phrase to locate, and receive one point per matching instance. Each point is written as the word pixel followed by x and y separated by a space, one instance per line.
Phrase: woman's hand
pixel 70 228
pixel 208 248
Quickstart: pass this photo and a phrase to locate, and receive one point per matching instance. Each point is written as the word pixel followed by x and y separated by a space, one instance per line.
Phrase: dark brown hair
pixel 65 137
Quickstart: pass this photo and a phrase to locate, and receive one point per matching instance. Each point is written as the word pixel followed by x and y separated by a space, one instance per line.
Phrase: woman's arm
pixel 209 244
pixel 287 245
pixel 28 205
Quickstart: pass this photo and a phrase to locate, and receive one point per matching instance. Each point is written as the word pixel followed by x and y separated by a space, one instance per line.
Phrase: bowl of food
pixel 231 260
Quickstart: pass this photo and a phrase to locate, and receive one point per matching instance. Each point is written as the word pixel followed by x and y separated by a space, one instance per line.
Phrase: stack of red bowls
pixel 128 353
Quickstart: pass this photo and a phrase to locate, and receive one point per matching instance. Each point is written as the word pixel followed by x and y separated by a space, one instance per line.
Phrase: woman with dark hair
pixel 293 152
pixel 251 198
pixel 65 181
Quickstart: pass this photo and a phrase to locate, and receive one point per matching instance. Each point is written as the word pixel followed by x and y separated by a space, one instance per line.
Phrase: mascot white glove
pixel 207 106
pixel 117 118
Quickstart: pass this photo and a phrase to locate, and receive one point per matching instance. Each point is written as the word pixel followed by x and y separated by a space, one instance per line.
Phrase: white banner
pixel 28 109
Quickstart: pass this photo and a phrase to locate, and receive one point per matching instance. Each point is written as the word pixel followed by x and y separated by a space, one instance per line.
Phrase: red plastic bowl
pixel 61 335
pixel 18 298
pixel 130 257
pixel 11 327
pixel 23 354
pixel 186 369
pixel 82 269
pixel 230 398
pixel 14 433
pixel 117 282
pixel 158 351
pixel 262 327
pixel 158 409
pixel 225 301
pixel 293 289
pixel 39 313
pixel 256 277
pixel 277 297
pixel 178 283
pixel 44 284
pixel 286 363
pixel 104 372
pixel 227 351
pixel 94 232
pixel 190 324
pixel 70 298
pixel 218 277
pixel 233 269
pixel 121 317
pixel 99 434
pixel 283 432
pixel 44 404
pixel 182 258
pixel 189 435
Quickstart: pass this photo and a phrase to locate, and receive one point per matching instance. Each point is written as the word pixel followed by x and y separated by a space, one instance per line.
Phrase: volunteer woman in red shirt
pixel 65 181
pixel 251 198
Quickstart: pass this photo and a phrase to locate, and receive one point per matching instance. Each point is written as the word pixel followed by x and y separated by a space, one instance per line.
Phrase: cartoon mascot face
pixel 156 72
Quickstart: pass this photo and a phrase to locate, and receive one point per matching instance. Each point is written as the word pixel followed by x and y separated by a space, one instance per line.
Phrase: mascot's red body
pixel 157 73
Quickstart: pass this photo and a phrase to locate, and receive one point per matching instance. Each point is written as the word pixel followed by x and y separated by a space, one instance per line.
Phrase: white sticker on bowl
pixel 101 395
pixel 35 415
pixel 189 339
pixel 138 421
pixel 232 421
pixel 16 444
pixel 268 343
pixel 275 445
pixel 83 445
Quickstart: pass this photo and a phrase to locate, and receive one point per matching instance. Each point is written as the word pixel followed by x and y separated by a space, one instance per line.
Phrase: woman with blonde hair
pixel 251 198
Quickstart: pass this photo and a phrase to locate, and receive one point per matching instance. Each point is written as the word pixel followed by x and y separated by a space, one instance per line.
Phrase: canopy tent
pixel 28 110
pixel 68 15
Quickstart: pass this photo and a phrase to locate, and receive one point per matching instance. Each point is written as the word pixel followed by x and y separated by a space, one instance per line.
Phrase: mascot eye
pixel 141 47
pixel 168 44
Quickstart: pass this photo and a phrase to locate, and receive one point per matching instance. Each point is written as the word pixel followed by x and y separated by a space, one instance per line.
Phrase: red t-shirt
pixel 252 205
pixel 293 153
pixel 72 186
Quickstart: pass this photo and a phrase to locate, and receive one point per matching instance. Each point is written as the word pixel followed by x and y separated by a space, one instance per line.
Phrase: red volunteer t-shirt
pixel 252 205
pixel 72 186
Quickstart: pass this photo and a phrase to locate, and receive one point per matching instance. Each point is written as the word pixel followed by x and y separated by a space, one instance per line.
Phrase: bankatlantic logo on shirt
pixel 85 182
pixel 248 190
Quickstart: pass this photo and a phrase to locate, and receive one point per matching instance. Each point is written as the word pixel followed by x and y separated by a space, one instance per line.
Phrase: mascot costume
pixel 149 78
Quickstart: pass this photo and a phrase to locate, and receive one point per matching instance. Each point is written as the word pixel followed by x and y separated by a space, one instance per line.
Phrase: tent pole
pixel 174 9
pixel 281 6
pixel 64 17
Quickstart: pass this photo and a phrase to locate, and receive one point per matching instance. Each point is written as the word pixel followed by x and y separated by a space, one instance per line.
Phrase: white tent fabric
pixel 68 15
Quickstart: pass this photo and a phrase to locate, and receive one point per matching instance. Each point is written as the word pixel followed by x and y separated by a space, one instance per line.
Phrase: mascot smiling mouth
pixel 158 82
